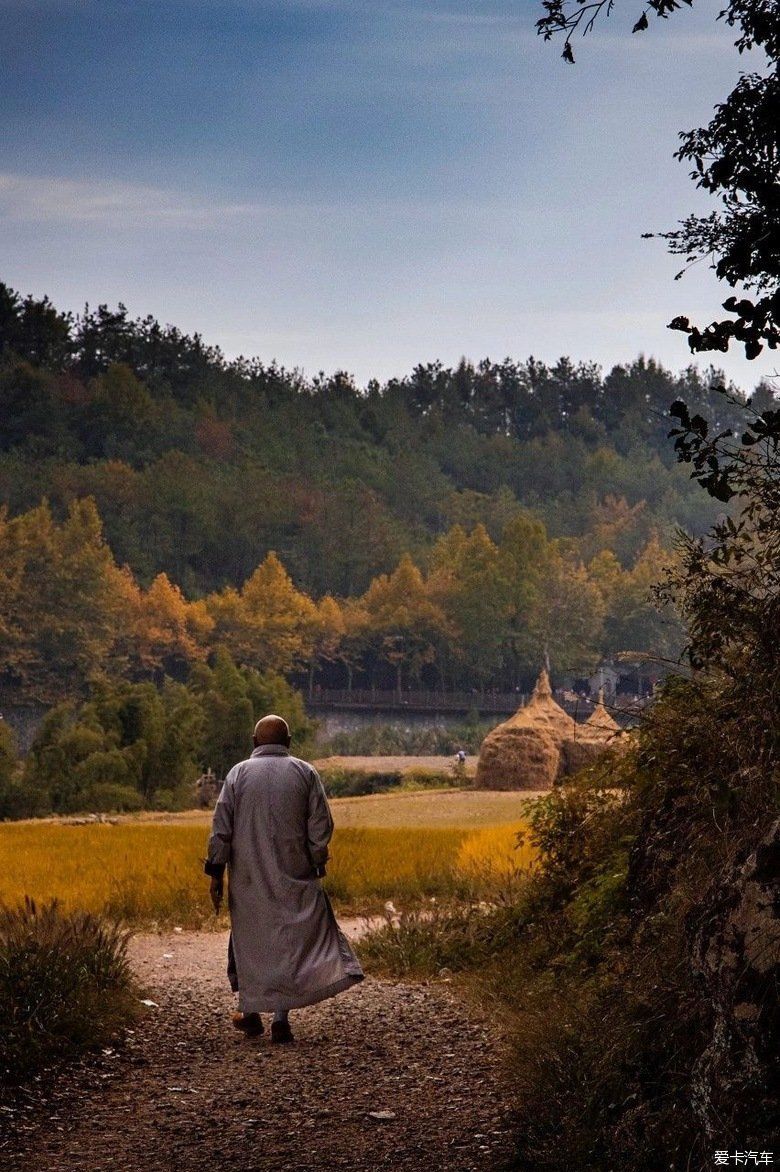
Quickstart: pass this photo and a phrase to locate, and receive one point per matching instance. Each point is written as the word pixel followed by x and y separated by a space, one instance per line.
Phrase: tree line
pixel 145 688
pixel 199 465
pixel 478 613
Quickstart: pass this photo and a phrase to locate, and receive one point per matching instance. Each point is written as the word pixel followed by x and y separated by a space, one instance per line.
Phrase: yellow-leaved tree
pixel 634 621
pixel 269 624
pixel 402 621
pixel 65 605
pixel 328 633
pixel 169 633
pixel 354 638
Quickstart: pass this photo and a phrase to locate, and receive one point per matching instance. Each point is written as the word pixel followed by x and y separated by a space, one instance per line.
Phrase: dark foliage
pixel 670 1045
pixel 133 746
pixel 641 965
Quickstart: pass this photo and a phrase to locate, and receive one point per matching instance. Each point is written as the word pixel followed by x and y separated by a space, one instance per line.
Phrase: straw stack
pixel 600 725
pixel 541 744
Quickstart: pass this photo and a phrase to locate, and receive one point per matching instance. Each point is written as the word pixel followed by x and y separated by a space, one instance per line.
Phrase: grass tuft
pixel 65 985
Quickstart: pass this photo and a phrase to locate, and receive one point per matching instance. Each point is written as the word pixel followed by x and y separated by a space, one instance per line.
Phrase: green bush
pixel 576 827
pixel 394 740
pixel 180 798
pixel 108 797
pixel 355 783
pixel 15 801
pixel 135 746
pixel 65 985
pixel 420 778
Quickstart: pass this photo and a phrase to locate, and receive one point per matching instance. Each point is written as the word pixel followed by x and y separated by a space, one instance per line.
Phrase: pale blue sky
pixel 359 184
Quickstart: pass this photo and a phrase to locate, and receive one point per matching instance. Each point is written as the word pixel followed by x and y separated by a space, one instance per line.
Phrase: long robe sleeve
pixel 221 830
pixel 319 830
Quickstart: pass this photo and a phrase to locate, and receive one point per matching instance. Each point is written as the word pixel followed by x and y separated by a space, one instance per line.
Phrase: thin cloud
pixel 54 199
pixel 36 199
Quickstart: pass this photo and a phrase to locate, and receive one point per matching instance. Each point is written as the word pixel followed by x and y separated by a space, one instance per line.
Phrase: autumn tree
pixel 268 624
pixel 64 602
pixel 354 639
pixel 566 621
pixel 328 632
pixel 168 633
pixel 468 581
pixel 641 623
pixel 633 621
pixel 403 621
pixel 524 555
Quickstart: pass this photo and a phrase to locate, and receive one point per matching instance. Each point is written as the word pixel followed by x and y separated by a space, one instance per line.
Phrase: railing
pixel 417 701
pixel 624 708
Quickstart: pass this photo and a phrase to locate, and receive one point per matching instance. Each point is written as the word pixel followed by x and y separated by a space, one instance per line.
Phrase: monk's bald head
pixel 272 730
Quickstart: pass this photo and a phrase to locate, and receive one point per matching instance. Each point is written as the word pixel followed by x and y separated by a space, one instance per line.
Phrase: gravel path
pixel 189 1094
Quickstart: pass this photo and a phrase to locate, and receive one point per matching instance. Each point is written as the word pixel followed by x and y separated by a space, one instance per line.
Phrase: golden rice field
pixel 148 873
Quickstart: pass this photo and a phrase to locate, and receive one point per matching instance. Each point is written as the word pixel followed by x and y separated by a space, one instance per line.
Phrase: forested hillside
pixel 449 529
pixel 199 465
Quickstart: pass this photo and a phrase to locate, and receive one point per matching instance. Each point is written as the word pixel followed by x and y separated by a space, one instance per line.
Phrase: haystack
pixel 541 744
pixel 581 751
pixel 600 725
pixel 525 751
pixel 517 757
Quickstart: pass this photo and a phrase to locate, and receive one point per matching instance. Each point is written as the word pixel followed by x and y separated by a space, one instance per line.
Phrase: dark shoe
pixel 281 1032
pixel 250 1024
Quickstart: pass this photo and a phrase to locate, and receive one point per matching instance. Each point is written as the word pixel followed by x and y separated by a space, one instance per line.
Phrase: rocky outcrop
pixel 736 954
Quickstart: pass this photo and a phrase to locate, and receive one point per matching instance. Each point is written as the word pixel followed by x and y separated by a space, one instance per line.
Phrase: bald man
pixel 271 828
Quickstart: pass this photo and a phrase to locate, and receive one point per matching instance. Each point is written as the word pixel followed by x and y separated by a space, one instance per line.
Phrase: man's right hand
pixel 215 891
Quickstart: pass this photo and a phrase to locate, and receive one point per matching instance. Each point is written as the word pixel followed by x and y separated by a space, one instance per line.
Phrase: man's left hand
pixel 215 891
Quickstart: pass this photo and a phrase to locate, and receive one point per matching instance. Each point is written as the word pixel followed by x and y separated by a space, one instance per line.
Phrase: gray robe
pixel 272 826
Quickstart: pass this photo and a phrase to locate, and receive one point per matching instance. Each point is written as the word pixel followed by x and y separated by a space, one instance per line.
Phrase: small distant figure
pixel 460 756
pixel 271 827
pixel 207 789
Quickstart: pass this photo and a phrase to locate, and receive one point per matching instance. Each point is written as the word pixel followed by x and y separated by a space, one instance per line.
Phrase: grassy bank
pixel 647 923
pixel 359 776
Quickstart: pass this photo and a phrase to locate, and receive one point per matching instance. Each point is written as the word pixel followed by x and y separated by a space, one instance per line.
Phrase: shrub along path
pixel 187 1092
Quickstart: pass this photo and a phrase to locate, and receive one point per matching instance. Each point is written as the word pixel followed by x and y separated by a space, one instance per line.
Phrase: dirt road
pixel 386 1076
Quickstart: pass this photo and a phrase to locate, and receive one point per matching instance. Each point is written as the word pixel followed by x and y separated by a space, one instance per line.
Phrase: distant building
pixel 623 679
pixel 606 677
